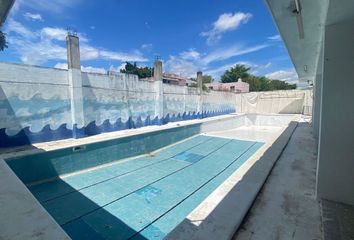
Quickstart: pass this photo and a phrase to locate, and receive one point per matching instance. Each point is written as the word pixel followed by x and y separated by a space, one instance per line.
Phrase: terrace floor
pixel 286 207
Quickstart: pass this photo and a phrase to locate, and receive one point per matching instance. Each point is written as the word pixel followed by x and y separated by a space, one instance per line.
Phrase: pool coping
pixel 222 212
pixel 24 209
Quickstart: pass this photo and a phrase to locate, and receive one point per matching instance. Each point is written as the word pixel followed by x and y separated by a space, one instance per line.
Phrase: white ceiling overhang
pixel 5 6
pixel 305 52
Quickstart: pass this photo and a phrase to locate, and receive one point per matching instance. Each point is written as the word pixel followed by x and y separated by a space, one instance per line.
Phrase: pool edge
pixel 222 212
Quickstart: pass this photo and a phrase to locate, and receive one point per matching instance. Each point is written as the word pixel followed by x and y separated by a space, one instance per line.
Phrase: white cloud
pixel 33 16
pixel 225 23
pixel 18 28
pixel 274 38
pixel 181 66
pixel 233 51
pixel 134 56
pixel 191 54
pixel 147 25
pixel 255 68
pixel 54 33
pixel 284 75
pixel 37 47
pixel 147 46
pixel 187 63
pixel 53 6
pixel 61 66
pixel 118 68
pixel 88 69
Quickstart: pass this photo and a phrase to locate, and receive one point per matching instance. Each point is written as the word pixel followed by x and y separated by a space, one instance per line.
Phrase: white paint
pixel 283 101
pixel 335 176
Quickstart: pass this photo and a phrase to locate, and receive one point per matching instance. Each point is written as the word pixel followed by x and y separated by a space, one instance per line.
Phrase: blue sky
pixel 188 35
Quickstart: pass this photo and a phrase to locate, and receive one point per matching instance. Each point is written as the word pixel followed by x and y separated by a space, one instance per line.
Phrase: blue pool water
pixel 145 197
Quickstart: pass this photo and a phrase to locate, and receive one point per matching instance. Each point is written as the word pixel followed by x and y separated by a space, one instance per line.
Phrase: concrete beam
pixel 5 7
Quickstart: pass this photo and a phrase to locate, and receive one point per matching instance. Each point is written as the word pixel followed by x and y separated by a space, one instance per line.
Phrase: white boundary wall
pixel 284 101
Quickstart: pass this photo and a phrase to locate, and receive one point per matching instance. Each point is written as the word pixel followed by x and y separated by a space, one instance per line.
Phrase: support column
pixel 75 86
pixel 317 98
pixel 200 93
pixel 158 77
pixel 335 175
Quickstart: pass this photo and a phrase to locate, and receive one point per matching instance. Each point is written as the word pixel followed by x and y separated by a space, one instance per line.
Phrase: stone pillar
pixel 158 78
pixel 335 175
pixel 200 92
pixel 75 86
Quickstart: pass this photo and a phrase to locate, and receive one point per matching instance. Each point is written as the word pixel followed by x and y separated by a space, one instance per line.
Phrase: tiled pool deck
pixel 143 198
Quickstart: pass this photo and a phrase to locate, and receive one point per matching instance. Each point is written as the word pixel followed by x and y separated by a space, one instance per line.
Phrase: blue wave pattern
pixel 26 136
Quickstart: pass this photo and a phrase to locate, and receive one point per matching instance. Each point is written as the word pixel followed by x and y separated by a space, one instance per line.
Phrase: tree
pixel 207 79
pixel 142 72
pixel 3 43
pixel 257 83
pixel 232 75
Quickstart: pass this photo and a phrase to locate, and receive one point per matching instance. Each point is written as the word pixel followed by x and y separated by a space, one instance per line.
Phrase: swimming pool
pixel 135 187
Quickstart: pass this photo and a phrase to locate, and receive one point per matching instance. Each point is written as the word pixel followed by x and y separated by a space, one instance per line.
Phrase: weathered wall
pixel 33 100
pixel 335 176
pixel 286 101
pixel 36 104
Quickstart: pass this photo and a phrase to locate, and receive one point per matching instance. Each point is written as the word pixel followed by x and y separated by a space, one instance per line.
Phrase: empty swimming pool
pixel 131 188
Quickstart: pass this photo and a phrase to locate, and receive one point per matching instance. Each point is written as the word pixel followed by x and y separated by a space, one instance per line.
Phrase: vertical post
pixel 317 97
pixel 75 86
pixel 158 75
pixel 336 140
pixel 200 92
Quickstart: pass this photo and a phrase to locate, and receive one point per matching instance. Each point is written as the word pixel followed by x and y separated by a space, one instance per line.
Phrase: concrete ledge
pixel 22 216
pixel 220 215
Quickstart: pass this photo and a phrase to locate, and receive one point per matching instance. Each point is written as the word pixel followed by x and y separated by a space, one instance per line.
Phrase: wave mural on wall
pixel 26 136
pixel 42 112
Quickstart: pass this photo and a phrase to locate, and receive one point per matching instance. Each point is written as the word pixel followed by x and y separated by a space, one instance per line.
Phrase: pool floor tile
pixel 144 198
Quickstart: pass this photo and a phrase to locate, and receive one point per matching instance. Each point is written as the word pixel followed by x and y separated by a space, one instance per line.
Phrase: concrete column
pixel 335 174
pixel 158 77
pixel 75 86
pixel 317 98
pixel 200 91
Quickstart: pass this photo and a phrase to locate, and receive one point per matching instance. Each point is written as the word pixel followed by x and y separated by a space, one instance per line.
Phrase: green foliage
pixel 239 71
pixel 256 83
pixel 3 43
pixel 142 72
pixel 207 79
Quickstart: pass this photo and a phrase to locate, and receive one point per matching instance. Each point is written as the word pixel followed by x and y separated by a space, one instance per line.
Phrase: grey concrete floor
pixel 286 207
pixel 338 221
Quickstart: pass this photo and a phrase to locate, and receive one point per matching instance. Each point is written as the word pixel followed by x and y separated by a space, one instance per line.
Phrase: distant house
pixel 171 78
pixel 191 82
pixel 239 86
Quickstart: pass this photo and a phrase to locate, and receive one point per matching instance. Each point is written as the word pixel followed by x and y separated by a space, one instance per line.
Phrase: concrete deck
pixel 287 207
